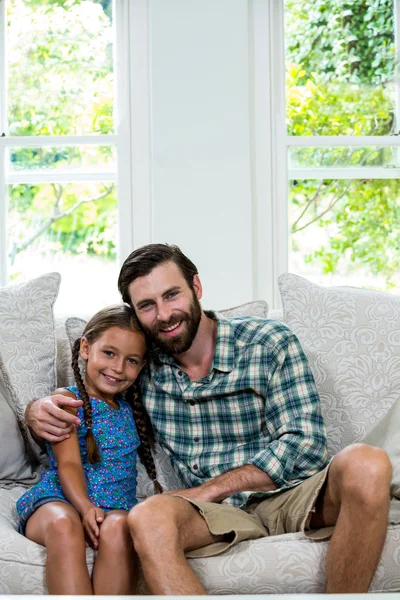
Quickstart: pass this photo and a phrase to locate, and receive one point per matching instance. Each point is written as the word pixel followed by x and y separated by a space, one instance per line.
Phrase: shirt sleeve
pixel 297 448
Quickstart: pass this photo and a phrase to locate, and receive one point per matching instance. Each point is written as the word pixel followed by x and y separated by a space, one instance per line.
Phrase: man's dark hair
pixel 143 260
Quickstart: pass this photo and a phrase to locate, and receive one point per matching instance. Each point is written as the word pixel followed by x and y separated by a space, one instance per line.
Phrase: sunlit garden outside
pixel 341 81
pixel 60 82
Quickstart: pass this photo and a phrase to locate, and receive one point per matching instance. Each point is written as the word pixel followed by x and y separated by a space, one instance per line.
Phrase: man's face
pixel 167 308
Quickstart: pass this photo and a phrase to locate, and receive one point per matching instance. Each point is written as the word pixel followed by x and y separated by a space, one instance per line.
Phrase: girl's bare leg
pixel 116 569
pixel 58 527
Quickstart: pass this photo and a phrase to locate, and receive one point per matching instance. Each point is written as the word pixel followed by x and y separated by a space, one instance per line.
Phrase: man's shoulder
pixel 257 330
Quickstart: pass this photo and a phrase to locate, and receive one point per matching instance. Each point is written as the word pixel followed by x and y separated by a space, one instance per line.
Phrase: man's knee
pixel 154 522
pixel 168 522
pixel 362 473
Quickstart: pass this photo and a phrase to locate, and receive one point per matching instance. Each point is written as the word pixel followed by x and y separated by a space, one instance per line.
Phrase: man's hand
pixel 196 493
pixel 248 478
pixel 92 518
pixel 48 420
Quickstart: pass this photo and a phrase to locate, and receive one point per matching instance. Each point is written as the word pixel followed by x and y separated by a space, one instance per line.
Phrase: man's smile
pixel 170 328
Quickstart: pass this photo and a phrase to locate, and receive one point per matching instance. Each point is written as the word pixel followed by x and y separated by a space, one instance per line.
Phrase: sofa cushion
pixel 27 351
pixel 22 562
pixel 15 467
pixel 256 308
pixel 386 435
pixel 284 564
pixel 351 337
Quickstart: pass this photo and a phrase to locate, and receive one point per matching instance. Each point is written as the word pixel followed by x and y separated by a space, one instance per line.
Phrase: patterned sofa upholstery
pixel 282 564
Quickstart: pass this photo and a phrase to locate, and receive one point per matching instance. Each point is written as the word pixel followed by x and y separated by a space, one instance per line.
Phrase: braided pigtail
pixel 92 450
pixel 146 435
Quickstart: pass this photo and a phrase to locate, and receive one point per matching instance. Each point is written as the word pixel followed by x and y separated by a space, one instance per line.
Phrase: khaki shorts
pixel 289 511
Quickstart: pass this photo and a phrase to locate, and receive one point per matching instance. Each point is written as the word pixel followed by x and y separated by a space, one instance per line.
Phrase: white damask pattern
pixel 351 339
pixel 27 338
pixel 257 308
pixel 28 346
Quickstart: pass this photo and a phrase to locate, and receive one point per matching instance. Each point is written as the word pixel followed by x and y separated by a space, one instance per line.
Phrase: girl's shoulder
pixel 72 391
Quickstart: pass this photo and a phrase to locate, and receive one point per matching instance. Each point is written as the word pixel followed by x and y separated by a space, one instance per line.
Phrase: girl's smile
pixel 113 362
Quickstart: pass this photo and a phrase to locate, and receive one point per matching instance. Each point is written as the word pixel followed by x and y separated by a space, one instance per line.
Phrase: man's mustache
pixel 172 321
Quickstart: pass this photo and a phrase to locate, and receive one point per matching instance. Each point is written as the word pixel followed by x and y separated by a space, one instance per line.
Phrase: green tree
pixel 342 41
pixel 339 82
pixel 60 82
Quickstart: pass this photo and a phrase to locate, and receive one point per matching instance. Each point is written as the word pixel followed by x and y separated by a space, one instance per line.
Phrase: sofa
pixel 352 340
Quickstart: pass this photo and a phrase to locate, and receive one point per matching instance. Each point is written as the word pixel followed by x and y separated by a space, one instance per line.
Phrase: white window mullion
pixel 123 126
pixel 326 141
pixel 134 129
pixel 3 197
pixel 261 150
pixel 269 151
pixel 140 119
pixel 58 141
pixel 279 148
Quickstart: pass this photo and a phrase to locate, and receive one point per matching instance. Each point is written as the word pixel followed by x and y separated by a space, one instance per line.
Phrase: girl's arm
pixel 73 482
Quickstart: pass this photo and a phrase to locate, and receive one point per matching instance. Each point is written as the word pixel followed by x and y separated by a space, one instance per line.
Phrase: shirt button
pixel 180 373
pixel 192 402
pixel 195 467
pixel 196 439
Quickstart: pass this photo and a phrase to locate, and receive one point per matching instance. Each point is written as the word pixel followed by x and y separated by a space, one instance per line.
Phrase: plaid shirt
pixel 257 405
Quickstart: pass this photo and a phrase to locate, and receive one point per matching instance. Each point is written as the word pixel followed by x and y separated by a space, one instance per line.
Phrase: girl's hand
pixel 92 518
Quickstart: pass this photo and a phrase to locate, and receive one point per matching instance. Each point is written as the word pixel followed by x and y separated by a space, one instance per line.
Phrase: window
pixel 342 126
pixel 64 146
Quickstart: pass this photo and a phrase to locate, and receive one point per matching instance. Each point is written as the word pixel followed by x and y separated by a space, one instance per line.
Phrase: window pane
pixel 71 158
pixel 340 60
pixel 60 67
pixel 346 232
pixel 70 229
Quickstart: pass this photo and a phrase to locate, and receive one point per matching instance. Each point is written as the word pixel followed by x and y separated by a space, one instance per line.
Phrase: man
pixel 234 404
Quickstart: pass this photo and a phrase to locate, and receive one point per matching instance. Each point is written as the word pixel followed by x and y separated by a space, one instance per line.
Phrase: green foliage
pixel 339 73
pixel 334 108
pixel 344 42
pixel 60 82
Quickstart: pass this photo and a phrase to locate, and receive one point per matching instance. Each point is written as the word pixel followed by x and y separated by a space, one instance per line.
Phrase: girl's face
pixel 113 362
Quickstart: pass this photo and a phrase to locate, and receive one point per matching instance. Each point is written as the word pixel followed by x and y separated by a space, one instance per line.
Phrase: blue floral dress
pixel 111 483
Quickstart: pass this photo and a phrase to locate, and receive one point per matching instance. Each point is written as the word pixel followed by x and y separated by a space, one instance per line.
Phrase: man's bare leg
pixel 163 528
pixel 356 501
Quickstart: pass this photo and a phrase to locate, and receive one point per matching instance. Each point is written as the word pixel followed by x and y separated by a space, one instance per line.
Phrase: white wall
pixel 200 140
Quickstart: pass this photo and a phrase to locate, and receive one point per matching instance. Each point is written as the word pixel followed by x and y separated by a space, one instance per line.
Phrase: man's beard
pixel 181 342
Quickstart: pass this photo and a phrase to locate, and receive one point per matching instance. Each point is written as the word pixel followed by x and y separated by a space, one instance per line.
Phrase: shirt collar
pixel 224 354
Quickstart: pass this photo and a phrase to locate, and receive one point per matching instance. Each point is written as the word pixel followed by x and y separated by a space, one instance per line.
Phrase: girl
pixel 91 483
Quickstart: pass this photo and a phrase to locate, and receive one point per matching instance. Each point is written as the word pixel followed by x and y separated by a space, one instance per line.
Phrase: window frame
pixel 269 74
pixel 123 16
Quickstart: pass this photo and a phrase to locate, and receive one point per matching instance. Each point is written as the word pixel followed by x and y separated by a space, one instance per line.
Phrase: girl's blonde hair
pixel 121 316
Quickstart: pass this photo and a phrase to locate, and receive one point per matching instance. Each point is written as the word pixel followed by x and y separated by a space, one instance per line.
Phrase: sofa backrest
pixel 351 337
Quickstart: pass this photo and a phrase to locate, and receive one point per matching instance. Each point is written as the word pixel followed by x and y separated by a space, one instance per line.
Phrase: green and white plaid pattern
pixel 257 405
